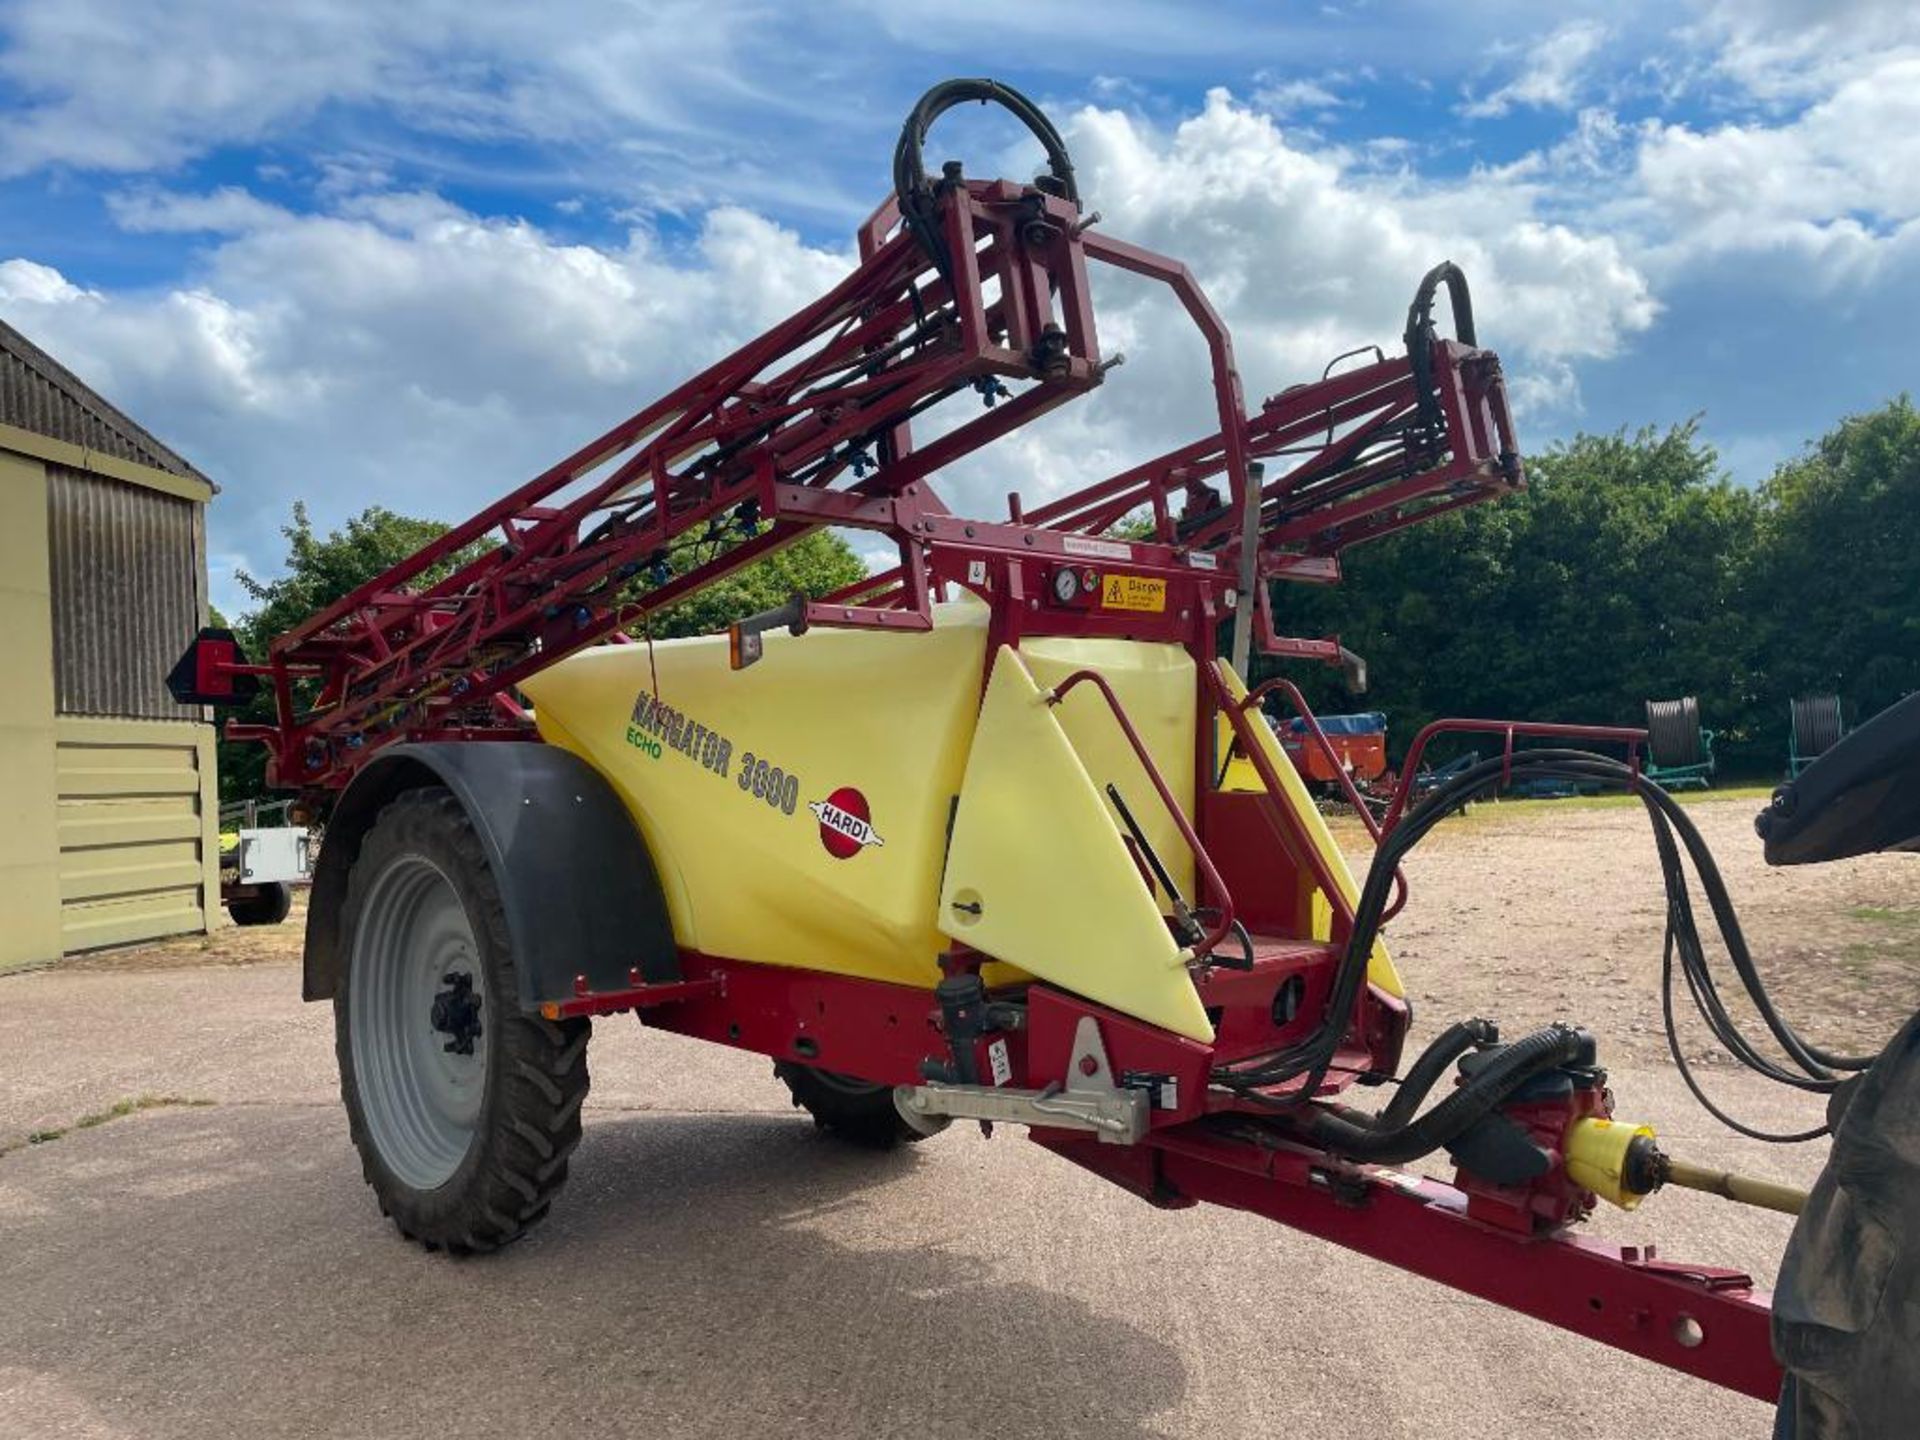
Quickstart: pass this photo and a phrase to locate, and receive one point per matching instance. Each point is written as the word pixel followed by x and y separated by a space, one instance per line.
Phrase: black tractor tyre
pixel 268 905
pixel 1846 1326
pixel 856 1111
pixel 465 1148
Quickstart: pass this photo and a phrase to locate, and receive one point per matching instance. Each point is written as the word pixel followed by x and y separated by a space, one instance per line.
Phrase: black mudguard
pixel 581 893
pixel 1846 1314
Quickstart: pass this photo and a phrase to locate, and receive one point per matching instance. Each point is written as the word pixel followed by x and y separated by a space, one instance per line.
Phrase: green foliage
pixel 817 563
pixel 1840 571
pixel 321 569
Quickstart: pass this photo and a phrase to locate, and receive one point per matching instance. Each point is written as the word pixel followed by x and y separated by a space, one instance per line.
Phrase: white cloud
pixel 228 210
pixel 1551 75
pixel 645 98
pixel 400 349
pixel 1307 258
pixel 27 283
pixel 411 354
pixel 1839 183
pixel 1283 95
pixel 1793 50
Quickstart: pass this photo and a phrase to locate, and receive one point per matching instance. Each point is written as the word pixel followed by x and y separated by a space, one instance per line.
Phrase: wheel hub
pixel 420 1052
pixel 456 1012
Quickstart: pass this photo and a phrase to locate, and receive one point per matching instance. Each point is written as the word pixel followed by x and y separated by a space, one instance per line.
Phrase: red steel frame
pixel 811 425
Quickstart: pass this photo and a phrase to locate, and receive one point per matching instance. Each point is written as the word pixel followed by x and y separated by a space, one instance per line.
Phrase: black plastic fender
pixel 581 892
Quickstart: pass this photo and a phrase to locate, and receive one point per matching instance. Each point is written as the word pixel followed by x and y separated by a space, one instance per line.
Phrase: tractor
pixel 952 843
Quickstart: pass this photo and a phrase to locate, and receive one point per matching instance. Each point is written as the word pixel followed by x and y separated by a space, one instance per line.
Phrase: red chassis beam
pixel 1701 1320
pixel 1704 1321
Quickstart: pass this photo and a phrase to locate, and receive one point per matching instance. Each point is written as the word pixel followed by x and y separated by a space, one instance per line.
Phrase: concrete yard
pixel 715 1268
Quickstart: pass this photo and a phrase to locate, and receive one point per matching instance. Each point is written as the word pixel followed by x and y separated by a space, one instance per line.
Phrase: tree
pixel 1619 575
pixel 1837 579
pixel 818 563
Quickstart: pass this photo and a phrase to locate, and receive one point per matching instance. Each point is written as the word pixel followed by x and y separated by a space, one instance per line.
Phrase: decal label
pixel 654 719
pixel 1098 549
pixel 1132 592
pixel 846 825
pixel 997 1058
pixel 656 727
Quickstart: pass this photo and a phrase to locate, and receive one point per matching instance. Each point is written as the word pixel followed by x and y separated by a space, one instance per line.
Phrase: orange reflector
pixel 550 1009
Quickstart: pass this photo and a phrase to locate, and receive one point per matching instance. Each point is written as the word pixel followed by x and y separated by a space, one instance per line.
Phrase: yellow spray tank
pixel 856 802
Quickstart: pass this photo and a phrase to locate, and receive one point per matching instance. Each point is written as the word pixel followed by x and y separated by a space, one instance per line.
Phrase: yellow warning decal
pixel 1132 592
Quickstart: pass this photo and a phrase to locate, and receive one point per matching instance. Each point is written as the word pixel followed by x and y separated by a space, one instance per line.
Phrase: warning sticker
pixel 1132 592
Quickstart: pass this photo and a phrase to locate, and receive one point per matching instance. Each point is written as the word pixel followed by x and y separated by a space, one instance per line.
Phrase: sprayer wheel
pixel 856 1111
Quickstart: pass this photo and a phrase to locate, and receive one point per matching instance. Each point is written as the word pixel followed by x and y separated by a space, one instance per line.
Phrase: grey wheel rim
pixel 420 1094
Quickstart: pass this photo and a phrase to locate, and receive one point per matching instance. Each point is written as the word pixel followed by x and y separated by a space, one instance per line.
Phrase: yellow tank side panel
pixel 1380 966
pixel 1157 688
pixel 797 809
pixel 1038 876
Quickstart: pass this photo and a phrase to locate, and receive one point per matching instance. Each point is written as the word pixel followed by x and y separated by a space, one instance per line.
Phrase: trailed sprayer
pixel 999 834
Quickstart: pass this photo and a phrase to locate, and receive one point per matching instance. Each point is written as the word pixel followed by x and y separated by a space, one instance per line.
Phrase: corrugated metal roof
pixel 40 394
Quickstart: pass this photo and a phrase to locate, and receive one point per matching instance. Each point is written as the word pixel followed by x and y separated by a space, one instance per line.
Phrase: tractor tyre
pixel 268 905
pixel 856 1111
pixel 1845 1325
pixel 464 1109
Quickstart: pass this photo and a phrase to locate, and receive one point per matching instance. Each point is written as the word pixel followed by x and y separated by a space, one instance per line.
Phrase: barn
pixel 109 808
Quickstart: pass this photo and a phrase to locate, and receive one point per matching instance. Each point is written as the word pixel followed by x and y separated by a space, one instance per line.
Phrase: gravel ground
pixel 716 1269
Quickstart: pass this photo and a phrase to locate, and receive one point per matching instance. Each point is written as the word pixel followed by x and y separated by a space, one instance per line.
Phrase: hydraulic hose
pixel 1677 841
pixel 1543 1050
pixel 915 191
pixel 1434 1061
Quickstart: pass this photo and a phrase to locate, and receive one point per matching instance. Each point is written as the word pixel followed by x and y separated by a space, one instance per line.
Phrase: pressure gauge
pixel 1066 586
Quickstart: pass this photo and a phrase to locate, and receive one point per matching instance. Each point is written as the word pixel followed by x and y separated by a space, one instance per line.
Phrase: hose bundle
pixel 1678 842
pixel 917 194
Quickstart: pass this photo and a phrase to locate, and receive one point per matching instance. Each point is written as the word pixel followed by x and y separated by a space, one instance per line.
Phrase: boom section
pixel 809 424
pixel 812 424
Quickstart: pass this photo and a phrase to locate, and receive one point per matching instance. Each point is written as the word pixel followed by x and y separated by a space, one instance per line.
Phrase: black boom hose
pixel 915 191
pixel 1434 1061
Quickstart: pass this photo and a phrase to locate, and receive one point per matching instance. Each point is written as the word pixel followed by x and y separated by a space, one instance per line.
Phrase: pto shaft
pixel 1621 1163
pixel 1724 1183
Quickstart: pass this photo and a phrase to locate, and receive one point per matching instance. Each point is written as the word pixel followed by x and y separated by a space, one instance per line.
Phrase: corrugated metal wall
pixel 126 594
pixel 136 823
pixel 31 398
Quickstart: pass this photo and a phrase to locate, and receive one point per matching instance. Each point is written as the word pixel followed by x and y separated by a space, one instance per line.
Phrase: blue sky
pixel 355 253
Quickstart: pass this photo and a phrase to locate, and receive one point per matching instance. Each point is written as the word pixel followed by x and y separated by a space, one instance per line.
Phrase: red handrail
pixel 1323 874
pixel 1209 875
pixel 1354 798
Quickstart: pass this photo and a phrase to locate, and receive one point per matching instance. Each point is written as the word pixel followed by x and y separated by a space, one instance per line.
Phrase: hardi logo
pixel 845 827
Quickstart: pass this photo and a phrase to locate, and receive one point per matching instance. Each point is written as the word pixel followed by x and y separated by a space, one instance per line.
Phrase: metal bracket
pixel 1091 1101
